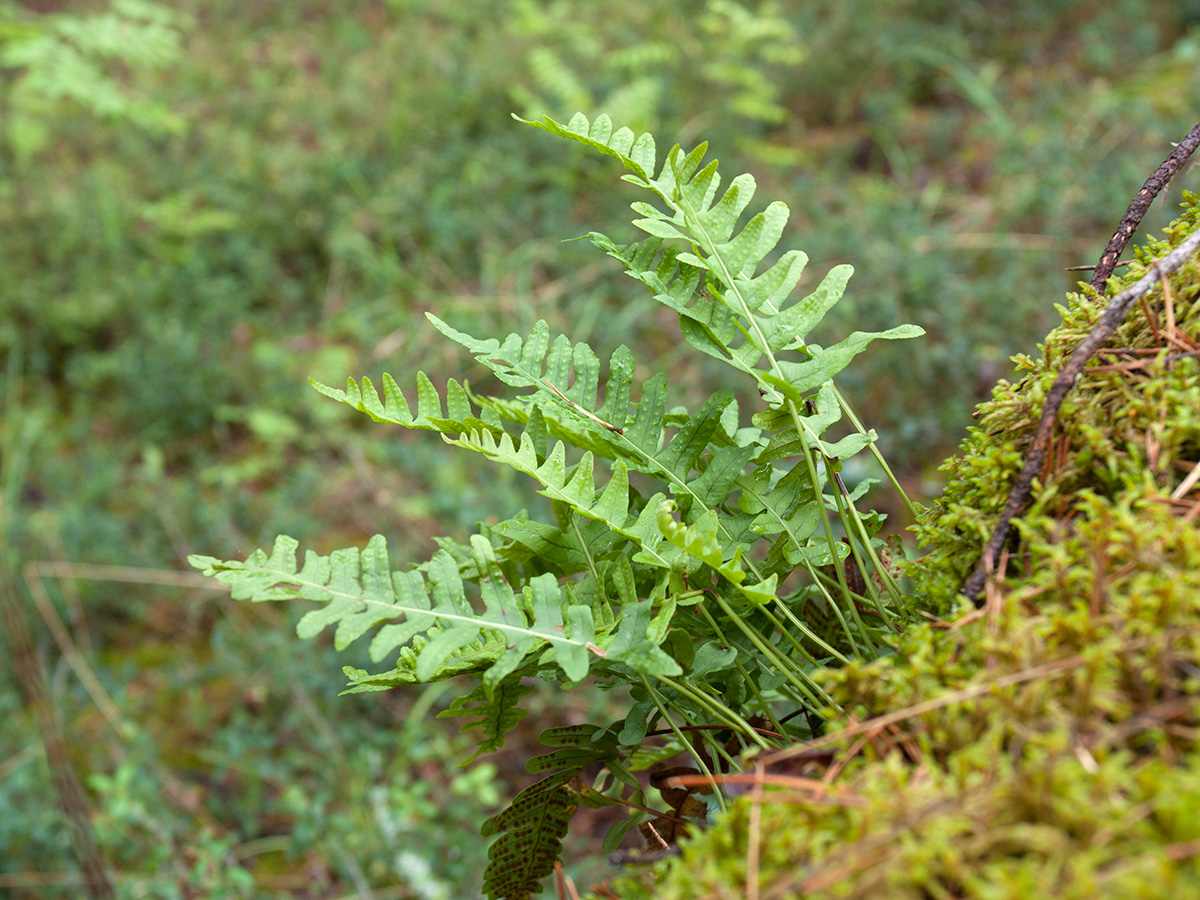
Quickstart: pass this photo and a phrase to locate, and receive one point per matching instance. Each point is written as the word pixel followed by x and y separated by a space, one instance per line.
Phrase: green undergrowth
pixel 203 203
pixel 1045 745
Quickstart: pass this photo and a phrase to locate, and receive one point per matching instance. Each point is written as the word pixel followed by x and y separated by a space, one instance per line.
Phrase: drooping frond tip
pixel 635 154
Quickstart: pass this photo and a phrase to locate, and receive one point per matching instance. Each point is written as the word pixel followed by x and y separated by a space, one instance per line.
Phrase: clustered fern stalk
pixel 681 591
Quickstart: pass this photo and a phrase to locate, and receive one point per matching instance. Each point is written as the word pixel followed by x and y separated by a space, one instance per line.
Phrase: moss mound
pixel 1049 744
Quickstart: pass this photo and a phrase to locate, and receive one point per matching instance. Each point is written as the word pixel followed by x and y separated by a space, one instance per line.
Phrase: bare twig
pixel 1019 495
pixel 1093 267
pixel 1112 316
pixel 1141 202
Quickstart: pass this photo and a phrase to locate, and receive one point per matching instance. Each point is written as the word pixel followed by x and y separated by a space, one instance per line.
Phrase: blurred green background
pixel 203 203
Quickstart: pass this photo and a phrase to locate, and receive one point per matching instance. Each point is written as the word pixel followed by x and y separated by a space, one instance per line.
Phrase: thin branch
pixel 1112 316
pixel 1141 202
pixel 1019 495
pixel 1093 267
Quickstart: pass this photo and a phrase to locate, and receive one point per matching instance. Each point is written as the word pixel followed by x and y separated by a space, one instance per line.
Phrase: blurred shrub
pixel 223 784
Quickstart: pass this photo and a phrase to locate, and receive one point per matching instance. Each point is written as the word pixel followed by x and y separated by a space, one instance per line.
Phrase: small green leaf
pixel 796 378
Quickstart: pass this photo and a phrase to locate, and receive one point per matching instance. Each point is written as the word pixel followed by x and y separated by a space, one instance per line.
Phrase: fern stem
pixel 728 278
pixel 805 629
pixel 889 583
pixel 767 650
pixel 583 545
pixel 820 582
pixel 766 706
pixel 663 707
pixel 718 750
pixel 762 701
pixel 800 703
pixel 827 525
pixel 718 709
pixel 852 605
pixel 887 470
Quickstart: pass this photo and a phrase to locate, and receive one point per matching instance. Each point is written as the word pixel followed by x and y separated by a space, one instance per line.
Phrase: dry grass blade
pixel 819 791
pixel 1187 484
pixel 977 690
pixel 71 797
pixel 35 572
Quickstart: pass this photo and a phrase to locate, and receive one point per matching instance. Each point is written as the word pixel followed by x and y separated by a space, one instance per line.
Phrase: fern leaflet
pixel 531 829
pixel 448 637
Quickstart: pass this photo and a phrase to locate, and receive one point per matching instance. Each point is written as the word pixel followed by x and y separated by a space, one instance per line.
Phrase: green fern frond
pixel 641 630
pixel 393 408
pixel 531 830
pixel 444 635
pixel 572 485
pixel 566 382
pixel 667 562
pixel 821 412
pixel 763 324
pixel 793 379
pixel 635 154
pixel 701 542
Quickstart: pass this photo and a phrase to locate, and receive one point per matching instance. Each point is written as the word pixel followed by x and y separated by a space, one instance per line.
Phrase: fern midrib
pixel 587 553
pixel 695 224
pixel 556 492
pixel 474 620
pixel 667 474
pixel 674 479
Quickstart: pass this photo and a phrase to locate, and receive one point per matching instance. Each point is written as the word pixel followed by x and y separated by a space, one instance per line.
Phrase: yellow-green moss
pixel 1079 775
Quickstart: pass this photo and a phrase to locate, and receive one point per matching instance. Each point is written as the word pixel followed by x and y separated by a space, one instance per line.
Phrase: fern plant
pixel 669 563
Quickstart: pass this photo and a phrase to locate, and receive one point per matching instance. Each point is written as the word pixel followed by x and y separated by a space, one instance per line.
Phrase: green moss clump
pixel 1048 746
